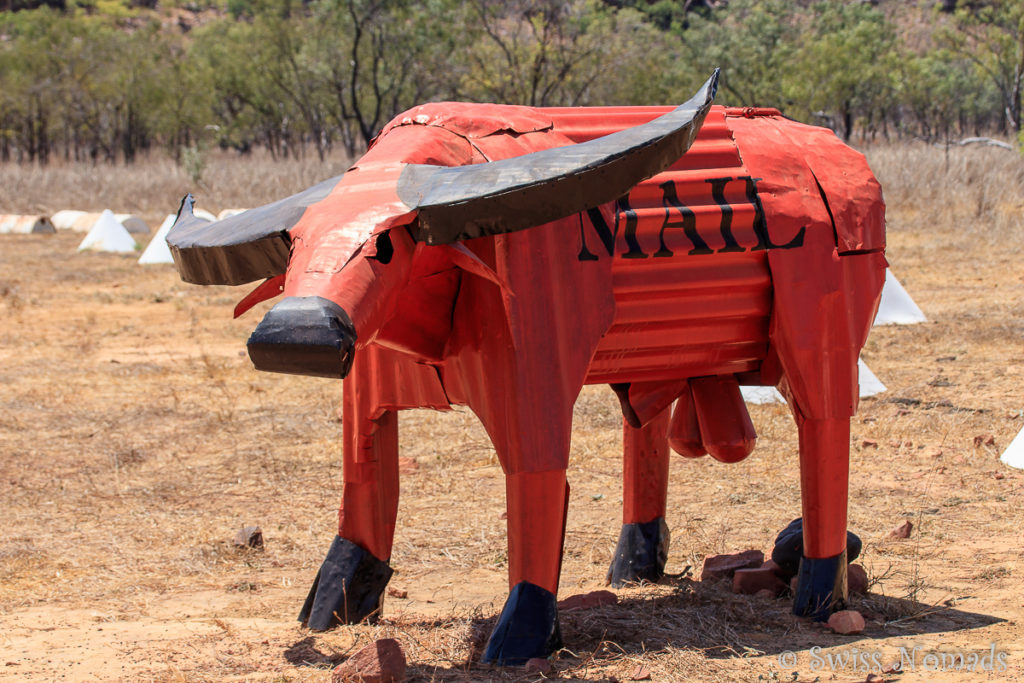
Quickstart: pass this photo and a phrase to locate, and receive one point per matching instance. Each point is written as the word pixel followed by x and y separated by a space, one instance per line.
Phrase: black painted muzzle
pixel 304 335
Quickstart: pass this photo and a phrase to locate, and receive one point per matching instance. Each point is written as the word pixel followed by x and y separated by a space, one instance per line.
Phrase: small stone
pixel 903 530
pixel 750 581
pixel 398 593
pixel 869 443
pixel 379 662
pixel 640 673
pixel 984 440
pixel 724 566
pixel 249 537
pixel 537 665
pixel 407 465
pixel 874 678
pixel 893 668
pixel 846 622
pixel 588 600
pixel 999 475
pixel 856 579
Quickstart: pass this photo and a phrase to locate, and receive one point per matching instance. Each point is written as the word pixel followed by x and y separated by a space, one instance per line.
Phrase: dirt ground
pixel 136 439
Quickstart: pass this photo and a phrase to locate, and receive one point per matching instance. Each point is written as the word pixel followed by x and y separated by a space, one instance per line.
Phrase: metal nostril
pixel 304 336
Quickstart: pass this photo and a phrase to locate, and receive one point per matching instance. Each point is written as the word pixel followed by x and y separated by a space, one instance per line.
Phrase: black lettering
pixel 624 209
pixel 718 193
pixel 764 240
pixel 607 235
pixel 687 221
pixel 599 225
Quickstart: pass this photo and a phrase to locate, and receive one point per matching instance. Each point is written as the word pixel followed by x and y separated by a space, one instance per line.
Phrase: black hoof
pixel 347 589
pixel 821 587
pixel 527 627
pixel 640 554
pixel 789 547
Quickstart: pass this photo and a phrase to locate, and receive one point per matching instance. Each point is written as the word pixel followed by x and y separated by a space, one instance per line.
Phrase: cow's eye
pixel 384 249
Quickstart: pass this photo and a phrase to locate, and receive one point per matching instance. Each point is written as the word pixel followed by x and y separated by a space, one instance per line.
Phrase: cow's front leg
pixel 824 477
pixel 643 542
pixel 350 584
pixel 537 503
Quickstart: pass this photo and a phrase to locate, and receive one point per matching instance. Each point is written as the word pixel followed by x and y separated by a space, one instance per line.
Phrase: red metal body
pixel 756 257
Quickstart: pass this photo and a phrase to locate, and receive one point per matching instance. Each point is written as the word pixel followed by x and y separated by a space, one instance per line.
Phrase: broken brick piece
pixel 724 566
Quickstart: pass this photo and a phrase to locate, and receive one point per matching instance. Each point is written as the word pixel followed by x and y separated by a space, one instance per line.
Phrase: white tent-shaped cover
pixel 25 225
pixel 158 251
pixel 869 386
pixel 1014 453
pixel 108 235
pixel 896 306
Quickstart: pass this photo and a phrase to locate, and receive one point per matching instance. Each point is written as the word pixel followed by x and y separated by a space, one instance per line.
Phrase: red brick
pixel 588 600
pixel 379 662
pixel 846 622
pixel 724 566
pixel 750 581
pixel 856 579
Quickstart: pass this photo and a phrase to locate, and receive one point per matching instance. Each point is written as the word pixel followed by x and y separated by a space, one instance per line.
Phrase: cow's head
pixel 340 251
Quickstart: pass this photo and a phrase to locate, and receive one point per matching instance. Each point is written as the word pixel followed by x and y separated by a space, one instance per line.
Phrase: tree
pixel 844 65
pixel 754 43
pixel 990 33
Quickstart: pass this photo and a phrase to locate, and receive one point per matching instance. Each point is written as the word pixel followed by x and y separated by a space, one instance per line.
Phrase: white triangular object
pixel 158 251
pixel 869 386
pixel 1014 454
pixel 761 395
pixel 869 383
pixel 107 234
pixel 896 306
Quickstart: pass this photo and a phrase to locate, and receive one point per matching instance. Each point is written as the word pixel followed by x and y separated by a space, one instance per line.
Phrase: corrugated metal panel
pixel 698 310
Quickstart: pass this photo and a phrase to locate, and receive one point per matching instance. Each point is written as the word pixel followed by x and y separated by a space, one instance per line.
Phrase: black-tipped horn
pixel 248 246
pixel 503 196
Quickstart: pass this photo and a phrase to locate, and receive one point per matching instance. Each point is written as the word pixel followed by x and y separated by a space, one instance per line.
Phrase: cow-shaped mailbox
pixel 502 257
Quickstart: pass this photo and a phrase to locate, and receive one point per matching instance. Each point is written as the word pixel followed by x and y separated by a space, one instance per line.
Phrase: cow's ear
pixel 248 246
pixel 497 197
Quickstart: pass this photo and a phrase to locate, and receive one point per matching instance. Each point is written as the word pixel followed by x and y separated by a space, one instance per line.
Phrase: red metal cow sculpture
pixel 502 257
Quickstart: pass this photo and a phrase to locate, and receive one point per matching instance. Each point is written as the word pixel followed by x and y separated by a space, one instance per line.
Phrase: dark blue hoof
pixel 821 587
pixel 527 627
pixel 789 547
pixel 347 589
pixel 640 554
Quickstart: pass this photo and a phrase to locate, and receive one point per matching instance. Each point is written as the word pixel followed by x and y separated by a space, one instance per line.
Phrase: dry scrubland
pixel 135 439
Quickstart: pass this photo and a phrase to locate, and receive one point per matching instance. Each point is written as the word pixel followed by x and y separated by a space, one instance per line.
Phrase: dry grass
pixel 135 439
pixel 152 188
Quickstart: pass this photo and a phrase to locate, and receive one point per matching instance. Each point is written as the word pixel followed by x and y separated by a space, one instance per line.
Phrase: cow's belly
pixel 686 317
pixel 691 280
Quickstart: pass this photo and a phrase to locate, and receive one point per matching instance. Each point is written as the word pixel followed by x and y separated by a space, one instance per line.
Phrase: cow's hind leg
pixel 350 584
pixel 824 477
pixel 643 542
pixel 537 504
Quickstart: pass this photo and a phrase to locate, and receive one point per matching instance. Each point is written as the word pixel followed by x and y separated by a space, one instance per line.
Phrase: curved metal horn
pixel 242 248
pixel 503 196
